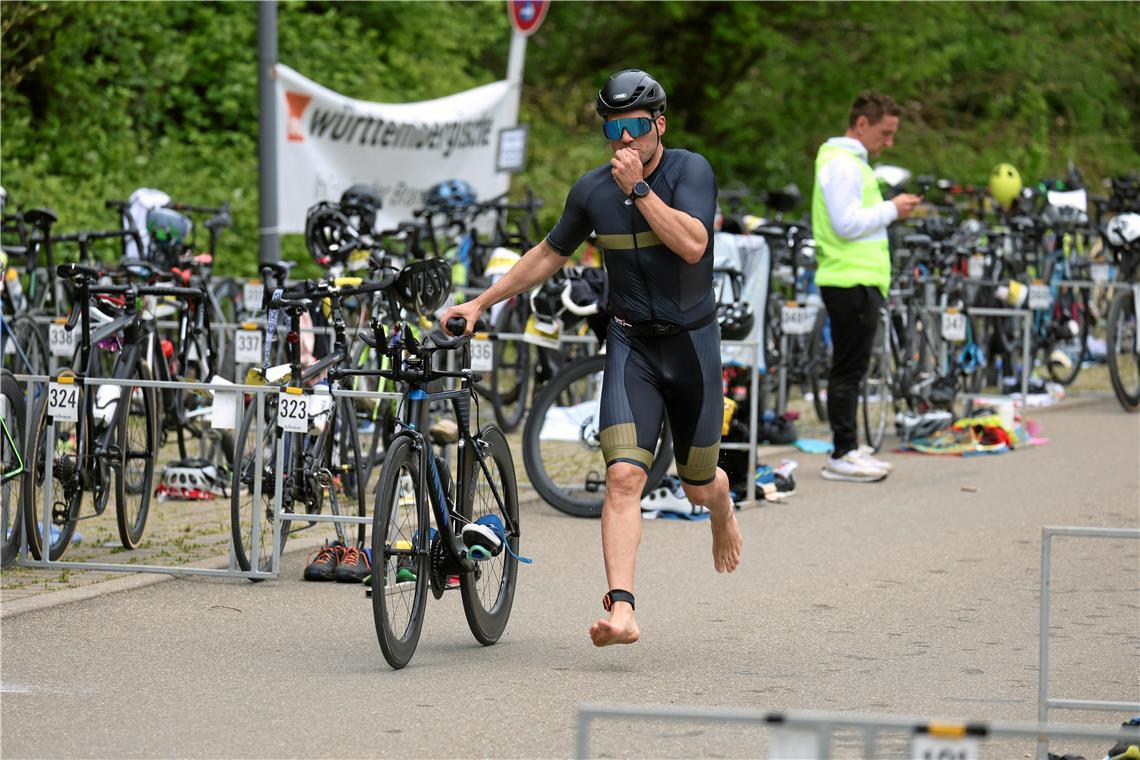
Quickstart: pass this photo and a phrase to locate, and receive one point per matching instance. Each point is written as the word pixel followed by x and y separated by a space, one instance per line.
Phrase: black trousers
pixel 855 316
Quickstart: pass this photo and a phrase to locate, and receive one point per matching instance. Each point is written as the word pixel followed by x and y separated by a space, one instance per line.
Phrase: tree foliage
pixel 98 99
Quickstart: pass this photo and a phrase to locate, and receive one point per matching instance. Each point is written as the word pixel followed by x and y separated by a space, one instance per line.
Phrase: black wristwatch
pixel 640 189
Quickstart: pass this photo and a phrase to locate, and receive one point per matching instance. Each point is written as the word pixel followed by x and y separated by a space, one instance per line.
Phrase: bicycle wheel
pixel 12 423
pixel 818 363
pixel 489 591
pixel 1123 351
pixel 400 550
pixel 244 512
pixel 341 458
pixel 138 444
pixel 562 450
pixel 510 378
pixel 25 349
pixel 1069 330
pixel 876 396
pixel 67 491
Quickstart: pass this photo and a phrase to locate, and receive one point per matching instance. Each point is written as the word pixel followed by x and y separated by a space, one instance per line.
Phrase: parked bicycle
pixel 476 514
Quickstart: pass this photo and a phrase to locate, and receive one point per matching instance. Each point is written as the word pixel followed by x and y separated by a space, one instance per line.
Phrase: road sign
pixel 527 15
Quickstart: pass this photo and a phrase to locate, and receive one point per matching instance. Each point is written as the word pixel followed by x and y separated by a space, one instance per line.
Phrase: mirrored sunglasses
pixel 637 126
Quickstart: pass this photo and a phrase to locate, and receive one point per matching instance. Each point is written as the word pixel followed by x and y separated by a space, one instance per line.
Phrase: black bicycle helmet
pixel 423 286
pixel 629 90
pixel 735 319
pixel 363 201
pixel 329 235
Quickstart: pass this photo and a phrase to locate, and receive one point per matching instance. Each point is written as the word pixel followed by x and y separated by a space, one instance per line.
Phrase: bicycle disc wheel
pixel 67 493
pixel 489 591
pixel 138 443
pixel 1123 352
pixel 400 550
pixel 244 512
pixel 562 450
pixel 11 464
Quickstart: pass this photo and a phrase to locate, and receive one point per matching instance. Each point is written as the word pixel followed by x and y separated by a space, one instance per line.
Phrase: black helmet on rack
pixel 628 90
pixel 329 235
pixel 363 201
pixel 423 286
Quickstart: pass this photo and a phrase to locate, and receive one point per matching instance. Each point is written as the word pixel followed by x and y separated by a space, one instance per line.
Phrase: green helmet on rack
pixel 1005 184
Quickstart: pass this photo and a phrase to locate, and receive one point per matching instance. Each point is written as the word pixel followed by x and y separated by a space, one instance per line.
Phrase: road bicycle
pixel 12 423
pixel 113 441
pixel 322 460
pixel 1123 338
pixel 476 534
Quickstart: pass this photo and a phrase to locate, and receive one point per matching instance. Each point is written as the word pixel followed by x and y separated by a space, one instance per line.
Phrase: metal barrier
pixel 1044 701
pixel 259 392
pixel 807 734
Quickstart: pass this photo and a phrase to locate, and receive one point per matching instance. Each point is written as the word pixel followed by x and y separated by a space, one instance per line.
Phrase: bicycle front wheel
pixel 400 550
pixel 66 486
pixel 1123 351
pixel 489 590
pixel 138 444
pixel 245 511
pixel 11 463
pixel 562 449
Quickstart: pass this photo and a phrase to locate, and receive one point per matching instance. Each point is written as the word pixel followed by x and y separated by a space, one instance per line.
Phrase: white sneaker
pixel 853 468
pixel 867 454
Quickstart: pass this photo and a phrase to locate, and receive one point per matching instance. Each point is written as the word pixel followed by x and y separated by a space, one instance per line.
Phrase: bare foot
pixel 727 542
pixel 621 628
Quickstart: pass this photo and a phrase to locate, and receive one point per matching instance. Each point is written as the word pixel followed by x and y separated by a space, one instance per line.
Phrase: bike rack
pixel 232 571
pixel 1044 701
pixel 808 733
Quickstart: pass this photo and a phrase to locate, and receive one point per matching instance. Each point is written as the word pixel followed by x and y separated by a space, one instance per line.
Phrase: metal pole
pixel 515 60
pixel 1043 644
pixel 269 243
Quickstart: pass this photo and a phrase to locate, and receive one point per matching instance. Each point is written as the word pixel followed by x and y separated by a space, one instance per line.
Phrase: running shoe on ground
pixel 354 566
pixel 852 468
pixel 867 454
pixel 323 567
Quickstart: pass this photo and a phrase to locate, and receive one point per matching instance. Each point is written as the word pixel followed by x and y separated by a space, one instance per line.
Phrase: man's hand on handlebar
pixel 468 311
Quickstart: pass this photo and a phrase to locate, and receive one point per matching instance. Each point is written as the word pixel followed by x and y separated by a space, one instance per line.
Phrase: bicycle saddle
pixel 77 271
pixel 40 217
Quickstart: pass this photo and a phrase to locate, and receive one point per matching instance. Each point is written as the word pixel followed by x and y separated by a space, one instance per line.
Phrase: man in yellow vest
pixel 849 222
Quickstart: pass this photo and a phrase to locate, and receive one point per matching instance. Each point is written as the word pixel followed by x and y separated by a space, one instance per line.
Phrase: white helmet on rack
pixel 1123 230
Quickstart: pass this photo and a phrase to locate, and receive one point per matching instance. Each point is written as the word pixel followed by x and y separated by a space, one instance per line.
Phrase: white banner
pixel 327 142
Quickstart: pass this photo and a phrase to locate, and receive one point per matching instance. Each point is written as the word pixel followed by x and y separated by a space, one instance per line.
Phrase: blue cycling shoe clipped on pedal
pixel 484 537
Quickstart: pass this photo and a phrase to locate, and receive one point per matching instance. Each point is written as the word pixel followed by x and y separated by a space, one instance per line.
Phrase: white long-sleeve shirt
pixel 841 183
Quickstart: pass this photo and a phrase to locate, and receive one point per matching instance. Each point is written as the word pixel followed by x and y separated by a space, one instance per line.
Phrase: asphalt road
pixel 913 596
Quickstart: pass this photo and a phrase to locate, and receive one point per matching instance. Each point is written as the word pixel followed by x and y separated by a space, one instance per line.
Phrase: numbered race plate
pixel 1099 271
pixel 248 345
pixel 63 400
pixel 927 747
pixel 293 411
pixel 482 355
pixel 61 341
pixel 954 326
pixel 252 294
pixel 1039 296
pixel 796 319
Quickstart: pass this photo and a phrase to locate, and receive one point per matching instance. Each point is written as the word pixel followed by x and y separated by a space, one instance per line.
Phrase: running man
pixel 652 210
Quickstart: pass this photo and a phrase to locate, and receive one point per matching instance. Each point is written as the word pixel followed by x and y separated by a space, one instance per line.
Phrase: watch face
pixel 641 189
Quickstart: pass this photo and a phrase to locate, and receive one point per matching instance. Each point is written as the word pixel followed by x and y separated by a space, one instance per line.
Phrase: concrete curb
pixel 127 583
